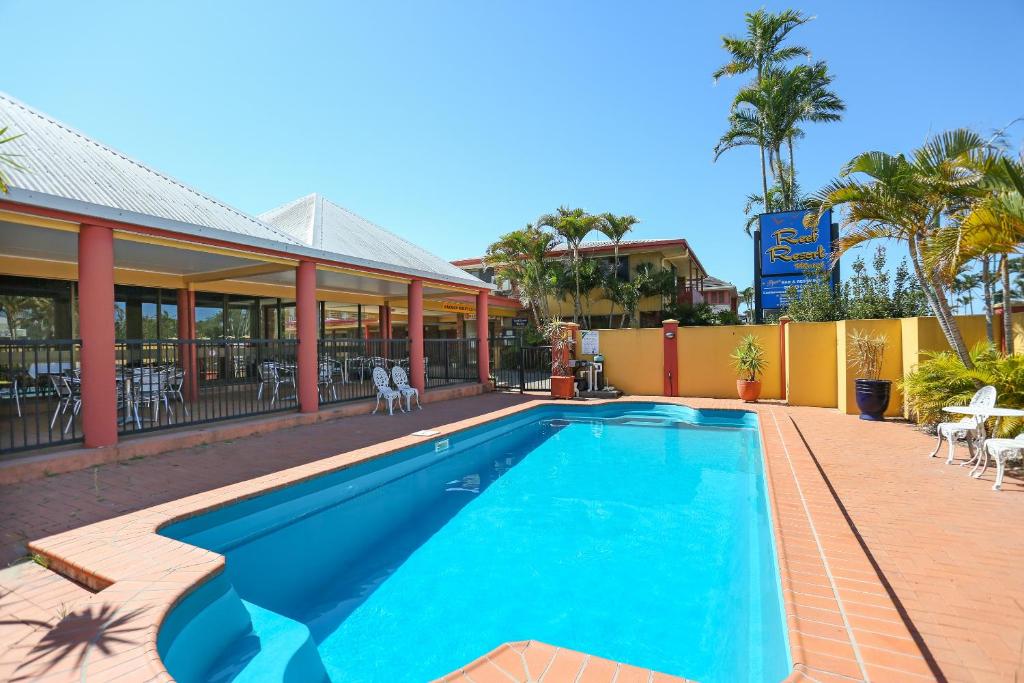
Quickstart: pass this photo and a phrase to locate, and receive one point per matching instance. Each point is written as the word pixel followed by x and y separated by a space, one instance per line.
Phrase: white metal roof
pixel 68 171
pixel 321 224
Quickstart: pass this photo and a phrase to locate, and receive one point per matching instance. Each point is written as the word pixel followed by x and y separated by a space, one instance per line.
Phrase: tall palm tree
pixel 907 199
pixel 760 48
pixel 615 228
pixel 783 100
pixel 572 225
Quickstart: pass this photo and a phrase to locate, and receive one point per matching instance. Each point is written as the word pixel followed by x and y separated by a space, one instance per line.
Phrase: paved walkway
pixel 948 547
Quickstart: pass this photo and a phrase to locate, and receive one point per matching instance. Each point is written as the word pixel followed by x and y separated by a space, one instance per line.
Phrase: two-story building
pixel 672 254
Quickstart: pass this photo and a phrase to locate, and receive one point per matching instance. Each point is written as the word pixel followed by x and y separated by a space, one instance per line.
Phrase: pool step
pixel 277 649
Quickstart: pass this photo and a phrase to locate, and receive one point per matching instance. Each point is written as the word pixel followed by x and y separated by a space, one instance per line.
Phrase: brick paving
pixel 919 559
pixel 950 547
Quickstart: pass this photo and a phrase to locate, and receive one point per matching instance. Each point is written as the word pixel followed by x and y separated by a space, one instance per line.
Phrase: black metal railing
pixel 345 367
pixel 164 383
pixel 516 366
pixel 450 361
pixel 39 393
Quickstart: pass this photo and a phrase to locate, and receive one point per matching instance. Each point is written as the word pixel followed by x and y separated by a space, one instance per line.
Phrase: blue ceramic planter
pixel 873 398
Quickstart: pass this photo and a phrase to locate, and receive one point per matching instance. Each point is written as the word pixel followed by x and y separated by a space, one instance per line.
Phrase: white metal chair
pixel 65 397
pixel 149 389
pixel 968 427
pixel 271 373
pixel 401 381
pixel 384 390
pixel 1002 450
pixel 74 388
pixel 175 382
pixel 325 379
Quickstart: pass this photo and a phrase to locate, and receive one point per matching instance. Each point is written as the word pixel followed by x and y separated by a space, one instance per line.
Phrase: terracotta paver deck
pixel 907 578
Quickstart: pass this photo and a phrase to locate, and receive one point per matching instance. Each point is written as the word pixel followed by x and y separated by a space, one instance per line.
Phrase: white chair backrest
pixel 401 379
pixel 984 397
pixel 268 371
pixel 380 380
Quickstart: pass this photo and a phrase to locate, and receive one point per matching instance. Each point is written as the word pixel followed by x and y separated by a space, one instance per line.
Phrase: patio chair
pixel 967 428
pixel 74 389
pixel 175 382
pixel 149 390
pixel 325 378
pixel 384 390
pixel 401 381
pixel 65 397
pixel 1002 450
pixel 11 386
pixel 271 372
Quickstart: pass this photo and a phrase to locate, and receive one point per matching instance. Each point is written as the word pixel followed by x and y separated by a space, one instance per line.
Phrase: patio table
pixel 977 445
pixel 36 370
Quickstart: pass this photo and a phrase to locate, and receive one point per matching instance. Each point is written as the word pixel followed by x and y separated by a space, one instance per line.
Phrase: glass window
pixel 341 321
pixel 210 317
pixel 33 308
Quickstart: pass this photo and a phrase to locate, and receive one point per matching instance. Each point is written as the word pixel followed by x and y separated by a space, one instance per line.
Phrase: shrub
pixel 866 352
pixel 748 358
pixel 942 380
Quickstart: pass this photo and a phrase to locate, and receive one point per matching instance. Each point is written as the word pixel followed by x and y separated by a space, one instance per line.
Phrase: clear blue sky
pixel 452 122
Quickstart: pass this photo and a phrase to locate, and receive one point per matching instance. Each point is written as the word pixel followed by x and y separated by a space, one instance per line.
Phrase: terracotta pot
pixel 562 387
pixel 748 390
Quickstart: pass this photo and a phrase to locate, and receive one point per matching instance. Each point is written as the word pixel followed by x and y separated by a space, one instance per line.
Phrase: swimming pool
pixel 635 532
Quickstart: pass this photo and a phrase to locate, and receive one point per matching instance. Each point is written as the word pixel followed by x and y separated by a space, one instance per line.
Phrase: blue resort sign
pixel 789 254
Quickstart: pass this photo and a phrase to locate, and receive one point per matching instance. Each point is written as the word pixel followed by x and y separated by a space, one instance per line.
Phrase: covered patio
pixel 131 302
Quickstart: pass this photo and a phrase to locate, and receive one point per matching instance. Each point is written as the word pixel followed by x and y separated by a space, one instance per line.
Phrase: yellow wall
pixel 892 362
pixel 633 360
pixel 811 364
pixel 1018 332
pixel 704 365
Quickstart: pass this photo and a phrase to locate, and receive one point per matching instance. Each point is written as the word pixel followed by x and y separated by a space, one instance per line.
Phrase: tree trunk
pixel 940 307
pixel 764 183
pixel 577 312
pixel 1004 269
pixel 986 284
pixel 792 173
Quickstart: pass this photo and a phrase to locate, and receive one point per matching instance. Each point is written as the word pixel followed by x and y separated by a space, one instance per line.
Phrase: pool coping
pixel 841 622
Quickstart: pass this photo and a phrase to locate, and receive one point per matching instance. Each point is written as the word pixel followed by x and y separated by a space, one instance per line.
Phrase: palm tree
pixel 907 199
pixel 993 225
pixel 747 296
pixel 8 159
pixel 759 49
pixel 520 257
pixel 615 228
pixel 776 107
pixel 572 225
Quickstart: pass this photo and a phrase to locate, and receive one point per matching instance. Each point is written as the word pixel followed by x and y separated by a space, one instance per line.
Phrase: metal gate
pixel 516 366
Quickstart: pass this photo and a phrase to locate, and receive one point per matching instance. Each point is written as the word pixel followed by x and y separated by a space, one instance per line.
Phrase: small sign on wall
pixel 589 343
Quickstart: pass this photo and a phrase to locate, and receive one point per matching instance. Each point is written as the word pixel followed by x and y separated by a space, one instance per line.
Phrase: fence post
pixel 522 367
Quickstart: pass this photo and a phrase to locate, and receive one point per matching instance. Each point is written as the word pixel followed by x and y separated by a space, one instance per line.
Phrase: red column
pixel 670 337
pixel 307 314
pixel 187 353
pixel 416 376
pixel 483 352
pixel 96 325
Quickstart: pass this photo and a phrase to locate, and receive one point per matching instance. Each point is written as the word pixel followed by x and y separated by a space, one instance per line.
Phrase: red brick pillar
pixel 187 353
pixel 416 378
pixel 96 325
pixel 483 350
pixel 670 339
pixel 307 315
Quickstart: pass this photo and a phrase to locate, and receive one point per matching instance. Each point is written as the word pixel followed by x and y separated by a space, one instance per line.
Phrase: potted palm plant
pixel 865 352
pixel 561 338
pixel 749 361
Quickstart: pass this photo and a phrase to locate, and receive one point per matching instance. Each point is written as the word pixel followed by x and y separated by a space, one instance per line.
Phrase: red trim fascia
pixel 209 241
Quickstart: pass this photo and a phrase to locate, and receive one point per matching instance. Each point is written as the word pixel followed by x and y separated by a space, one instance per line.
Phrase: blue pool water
pixel 635 532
